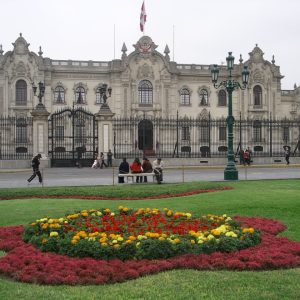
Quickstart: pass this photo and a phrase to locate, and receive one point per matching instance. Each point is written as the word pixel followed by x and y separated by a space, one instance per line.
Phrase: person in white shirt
pixel 158 166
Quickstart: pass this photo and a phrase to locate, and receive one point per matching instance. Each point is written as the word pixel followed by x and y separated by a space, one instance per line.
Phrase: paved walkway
pixel 108 176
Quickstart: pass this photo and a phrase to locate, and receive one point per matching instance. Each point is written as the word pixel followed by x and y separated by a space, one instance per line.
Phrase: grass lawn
pixel 272 199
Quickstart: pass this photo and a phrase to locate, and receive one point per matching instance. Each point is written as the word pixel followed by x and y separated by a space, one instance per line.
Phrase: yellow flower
pixel 192 242
pixel 73 242
pixel 53 233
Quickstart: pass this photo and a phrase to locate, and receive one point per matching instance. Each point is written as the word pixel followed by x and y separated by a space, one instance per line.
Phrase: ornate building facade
pixel 147 88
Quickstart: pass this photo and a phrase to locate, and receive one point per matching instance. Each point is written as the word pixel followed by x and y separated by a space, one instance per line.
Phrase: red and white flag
pixel 143 17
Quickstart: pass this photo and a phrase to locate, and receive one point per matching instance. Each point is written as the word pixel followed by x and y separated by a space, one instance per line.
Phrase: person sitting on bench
pixel 136 167
pixel 147 167
pixel 123 169
pixel 158 166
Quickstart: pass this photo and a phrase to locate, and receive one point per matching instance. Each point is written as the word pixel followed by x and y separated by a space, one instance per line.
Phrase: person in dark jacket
pixel 123 169
pixel 147 167
pixel 35 163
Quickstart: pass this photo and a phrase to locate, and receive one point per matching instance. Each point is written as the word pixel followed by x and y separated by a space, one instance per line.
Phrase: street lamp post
pixel 230 172
pixel 40 95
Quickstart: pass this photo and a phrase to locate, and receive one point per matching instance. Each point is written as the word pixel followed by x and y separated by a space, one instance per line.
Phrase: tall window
pixel 145 92
pixel 99 99
pixel 80 131
pixel 257 94
pixel 222 98
pixel 222 133
pixel 21 92
pixel 257 131
pixel 203 97
pixel 59 94
pixel 204 133
pixel 184 97
pixel 286 134
pixel 21 131
pixel 80 95
pixel 185 133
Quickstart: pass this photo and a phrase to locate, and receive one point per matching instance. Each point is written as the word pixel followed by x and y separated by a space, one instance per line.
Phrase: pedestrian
pixel 96 163
pixel 35 163
pixel 123 169
pixel 136 167
pixel 246 156
pixel 102 160
pixel 158 166
pixel 147 167
pixel 109 158
pixel 287 154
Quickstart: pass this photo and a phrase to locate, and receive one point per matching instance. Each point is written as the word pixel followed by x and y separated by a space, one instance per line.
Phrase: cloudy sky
pixel 196 31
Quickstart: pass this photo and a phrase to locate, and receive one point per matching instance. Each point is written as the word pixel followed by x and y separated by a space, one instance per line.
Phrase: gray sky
pixel 204 31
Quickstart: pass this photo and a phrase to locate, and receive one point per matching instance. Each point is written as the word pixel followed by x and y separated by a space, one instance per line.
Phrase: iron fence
pixel 202 138
pixel 16 138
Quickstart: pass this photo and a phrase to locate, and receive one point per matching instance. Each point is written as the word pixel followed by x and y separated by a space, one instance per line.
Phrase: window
pixel 21 92
pixel 203 97
pixel 21 131
pixel 222 98
pixel 222 133
pixel 184 97
pixel 145 92
pixel 204 133
pixel 257 136
pixel 80 95
pixel 59 132
pixel 99 99
pixel 286 134
pixel 59 94
pixel 185 133
pixel 80 131
pixel 257 94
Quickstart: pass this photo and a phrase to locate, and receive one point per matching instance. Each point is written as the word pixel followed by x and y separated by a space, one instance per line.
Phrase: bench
pixel 133 176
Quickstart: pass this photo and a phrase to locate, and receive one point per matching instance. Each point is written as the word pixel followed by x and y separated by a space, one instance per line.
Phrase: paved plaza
pixel 108 176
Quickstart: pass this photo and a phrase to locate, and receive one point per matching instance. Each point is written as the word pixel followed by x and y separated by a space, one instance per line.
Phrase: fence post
pixel 113 174
pixel 182 172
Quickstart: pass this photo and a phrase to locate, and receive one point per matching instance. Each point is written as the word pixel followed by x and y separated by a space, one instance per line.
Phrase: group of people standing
pixel 143 166
pixel 103 160
pixel 245 157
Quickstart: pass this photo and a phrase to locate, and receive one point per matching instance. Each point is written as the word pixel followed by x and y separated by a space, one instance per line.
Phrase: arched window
pixel 222 98
pixel 203 97
pixel 257 94
pixel 80 95
pixel 145 92
pixel 184 96
pixel 21 92
pixel 21 130
pixel 59 94
pixel 99 99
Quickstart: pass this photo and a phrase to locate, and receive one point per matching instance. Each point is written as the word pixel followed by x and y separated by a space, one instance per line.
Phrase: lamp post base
pixel 231 174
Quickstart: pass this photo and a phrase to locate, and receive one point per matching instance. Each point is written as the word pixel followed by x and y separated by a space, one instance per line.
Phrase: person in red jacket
pixel 136 167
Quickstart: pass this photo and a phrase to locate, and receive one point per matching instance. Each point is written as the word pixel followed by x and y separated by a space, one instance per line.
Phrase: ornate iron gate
pixel 73 138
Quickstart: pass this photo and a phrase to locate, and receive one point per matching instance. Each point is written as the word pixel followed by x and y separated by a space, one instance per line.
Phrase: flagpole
pixel 173 41
pixel 114 41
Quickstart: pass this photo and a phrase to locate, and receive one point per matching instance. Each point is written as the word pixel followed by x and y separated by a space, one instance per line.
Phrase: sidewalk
pixel 108 176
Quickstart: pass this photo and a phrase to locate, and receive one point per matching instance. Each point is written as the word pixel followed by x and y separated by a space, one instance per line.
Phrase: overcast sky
pixel 204 30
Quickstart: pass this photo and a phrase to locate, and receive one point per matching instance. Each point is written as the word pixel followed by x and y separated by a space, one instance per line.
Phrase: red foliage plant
pixel 25 263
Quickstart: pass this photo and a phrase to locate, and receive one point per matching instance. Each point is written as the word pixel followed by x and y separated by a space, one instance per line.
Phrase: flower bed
pixel 138 234
pixel 26 263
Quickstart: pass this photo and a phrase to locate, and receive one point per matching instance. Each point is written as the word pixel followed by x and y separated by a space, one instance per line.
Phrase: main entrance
pixel 73 138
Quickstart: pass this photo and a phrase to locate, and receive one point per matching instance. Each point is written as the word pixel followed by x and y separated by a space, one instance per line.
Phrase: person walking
pixel 158 166
pixel 102 160
pixel 35 163
pixel 123 169
pixel 109 158
pixel 147 167
pixel 287 154
pixel 136 167
pixel 96 163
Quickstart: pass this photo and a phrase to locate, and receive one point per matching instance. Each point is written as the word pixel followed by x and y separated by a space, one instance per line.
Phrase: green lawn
pixel 273 199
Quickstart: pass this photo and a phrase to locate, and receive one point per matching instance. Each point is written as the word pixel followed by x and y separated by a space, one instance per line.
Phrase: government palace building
pixel 141 104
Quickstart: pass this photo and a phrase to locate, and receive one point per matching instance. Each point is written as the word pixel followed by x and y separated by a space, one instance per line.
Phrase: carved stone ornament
pixel 256 55
pixel 145 71
pixel 204 114
pixel 21 46
pixel 145 45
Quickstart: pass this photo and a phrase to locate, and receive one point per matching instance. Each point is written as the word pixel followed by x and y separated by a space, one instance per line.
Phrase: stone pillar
pixel 105 130
pixel 40 134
